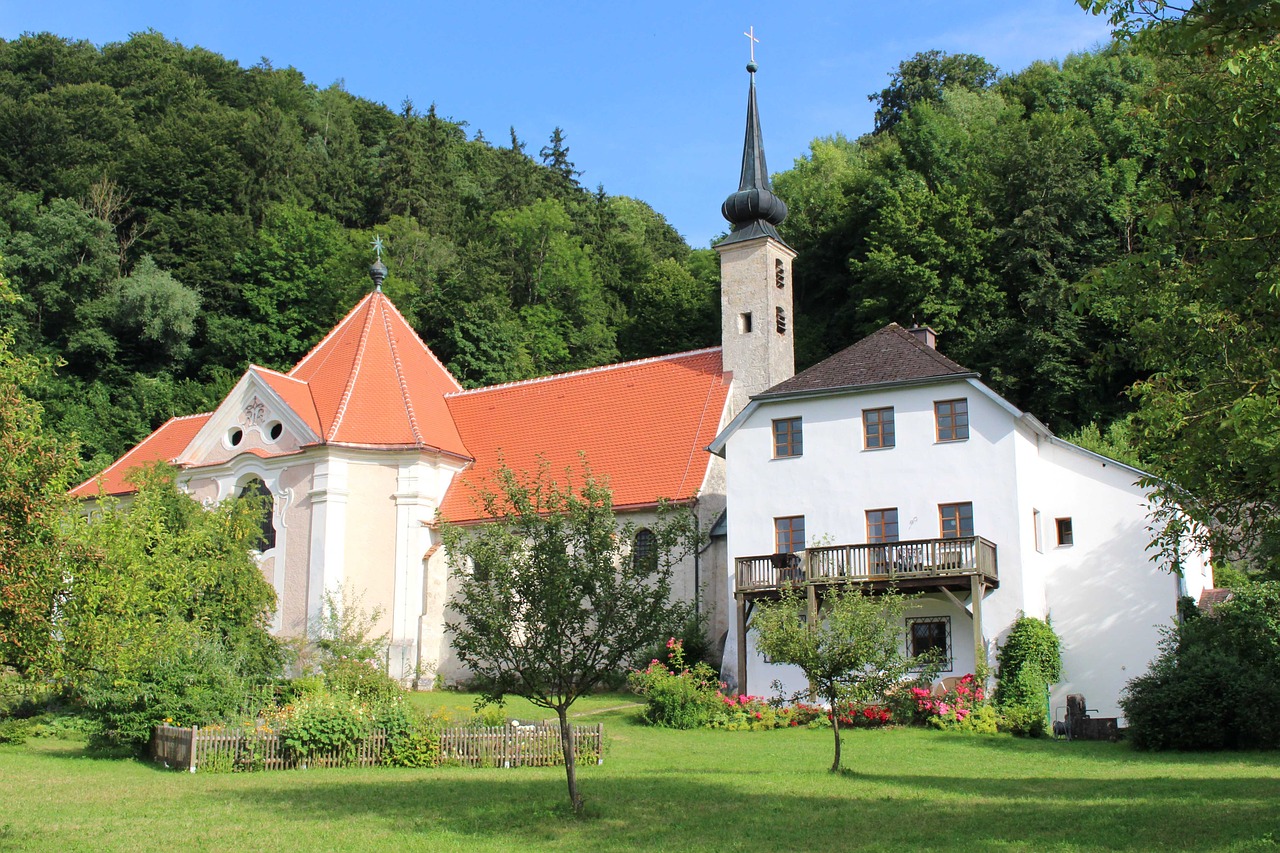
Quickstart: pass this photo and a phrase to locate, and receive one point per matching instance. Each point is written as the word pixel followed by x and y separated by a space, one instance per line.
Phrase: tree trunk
pixel 570 767
pixel 835 728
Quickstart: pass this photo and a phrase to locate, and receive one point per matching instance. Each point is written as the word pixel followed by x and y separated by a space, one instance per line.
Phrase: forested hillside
pixel 979 206
pixel 167 217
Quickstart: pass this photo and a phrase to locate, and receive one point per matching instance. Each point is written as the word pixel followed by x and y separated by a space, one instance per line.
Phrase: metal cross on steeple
pixel 751 35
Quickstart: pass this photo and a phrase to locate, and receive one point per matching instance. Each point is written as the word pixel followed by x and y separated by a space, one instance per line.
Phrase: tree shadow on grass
pixel 681 810
pixel 1120 752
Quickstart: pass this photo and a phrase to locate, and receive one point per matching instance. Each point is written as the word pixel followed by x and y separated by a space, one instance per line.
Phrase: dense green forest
pixel 1097 236
pixel 167 217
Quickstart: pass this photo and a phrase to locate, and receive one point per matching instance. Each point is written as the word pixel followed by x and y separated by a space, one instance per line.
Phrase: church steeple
pixel 756 334
pixel 753 210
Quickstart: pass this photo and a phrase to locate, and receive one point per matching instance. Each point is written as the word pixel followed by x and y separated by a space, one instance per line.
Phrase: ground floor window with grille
pixel 927 634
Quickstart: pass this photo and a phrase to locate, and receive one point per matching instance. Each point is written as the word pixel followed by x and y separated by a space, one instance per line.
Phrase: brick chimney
pixel 925 335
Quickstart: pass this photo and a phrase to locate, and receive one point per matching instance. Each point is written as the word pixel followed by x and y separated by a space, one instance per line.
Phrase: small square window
pixel 956 520
pixel 931 634
pixel 744 322
pixel 882 525
pixel 1065 534
pixel 952 419
pixel 788 438
pixel 788 534
pixel 877 428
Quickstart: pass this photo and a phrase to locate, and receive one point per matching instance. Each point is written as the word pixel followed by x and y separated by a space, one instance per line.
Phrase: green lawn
pixel 664 790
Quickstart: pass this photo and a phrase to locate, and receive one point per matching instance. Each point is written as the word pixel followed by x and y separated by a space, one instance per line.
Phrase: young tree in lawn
pixel 856 652
pixel 553 597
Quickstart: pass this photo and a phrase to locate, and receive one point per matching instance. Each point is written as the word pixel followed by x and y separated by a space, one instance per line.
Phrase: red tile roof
pixel 372 383
pixel 163 445
pixel 643 424
pixel 375 383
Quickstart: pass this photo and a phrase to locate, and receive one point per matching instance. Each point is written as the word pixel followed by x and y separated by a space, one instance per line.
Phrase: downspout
pixel 697 565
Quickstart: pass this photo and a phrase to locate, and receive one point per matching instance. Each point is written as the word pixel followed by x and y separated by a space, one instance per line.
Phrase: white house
pixel 888 463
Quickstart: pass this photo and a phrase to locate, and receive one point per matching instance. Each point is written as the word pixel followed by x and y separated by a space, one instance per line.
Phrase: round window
pixel 235 436
pixel 275 430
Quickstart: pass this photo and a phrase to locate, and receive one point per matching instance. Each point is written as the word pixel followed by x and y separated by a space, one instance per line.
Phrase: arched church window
pixel 256 488
pixel 644 551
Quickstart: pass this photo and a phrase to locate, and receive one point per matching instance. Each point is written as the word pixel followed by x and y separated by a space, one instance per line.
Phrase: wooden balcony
pixel 915 564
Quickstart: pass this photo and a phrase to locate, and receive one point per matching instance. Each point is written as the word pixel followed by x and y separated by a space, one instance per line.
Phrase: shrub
pixel 195 685
pixel 15 730
pixel 325 724
pixel 413 737
pixel 1028 662
pixel 1216 681
pixel 361 680
pixel 747 713
pixel 954 708
pixel 676 696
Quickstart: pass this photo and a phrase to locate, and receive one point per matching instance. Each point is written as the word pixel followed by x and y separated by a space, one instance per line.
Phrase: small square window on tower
pixel 1065 535
pixel 782 320
pixel 744 322
pixel 779 272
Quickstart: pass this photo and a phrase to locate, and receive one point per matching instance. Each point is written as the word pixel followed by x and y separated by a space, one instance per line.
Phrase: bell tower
pixel 756 324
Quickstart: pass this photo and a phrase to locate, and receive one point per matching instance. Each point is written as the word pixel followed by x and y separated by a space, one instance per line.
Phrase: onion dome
pixel 753 210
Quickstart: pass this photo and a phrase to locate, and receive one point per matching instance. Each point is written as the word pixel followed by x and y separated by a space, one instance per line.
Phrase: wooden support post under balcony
pixel 812 615
pixel 742 644
pixel 977 588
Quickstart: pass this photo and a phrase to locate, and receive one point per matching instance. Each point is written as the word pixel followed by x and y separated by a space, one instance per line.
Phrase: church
pixel 886 465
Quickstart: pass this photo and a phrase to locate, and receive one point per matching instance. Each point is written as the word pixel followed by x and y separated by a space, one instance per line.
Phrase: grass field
pixel 904 789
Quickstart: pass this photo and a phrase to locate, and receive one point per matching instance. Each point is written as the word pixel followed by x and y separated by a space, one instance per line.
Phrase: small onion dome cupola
pixel 753 210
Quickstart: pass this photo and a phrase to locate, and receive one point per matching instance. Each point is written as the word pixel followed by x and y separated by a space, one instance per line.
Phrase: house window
pixel 882 525
pixel 744 322
pixel 952 419
pixel 644 551
pixel 1035 529
pixel 956 520
pixel 877 428
pixel 788 534
pixel 1065 535
pixel 782 320
pixel 788 438
pixel 256 488
pixel 931 635
pixel 779 272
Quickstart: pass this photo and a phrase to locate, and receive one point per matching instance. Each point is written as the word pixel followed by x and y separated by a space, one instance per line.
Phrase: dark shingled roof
pixel 887 356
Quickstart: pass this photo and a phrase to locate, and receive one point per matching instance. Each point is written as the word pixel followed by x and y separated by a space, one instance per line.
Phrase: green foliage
pixel 549 599
pixel 35 556
pixel 924 77
pixel 253 194
pixel 413 736
pixel 195 683
pixel 344 632
pixel 325 724
pixel 1216 682
pixel 1029 661
pixel 854 654
pixel 677 696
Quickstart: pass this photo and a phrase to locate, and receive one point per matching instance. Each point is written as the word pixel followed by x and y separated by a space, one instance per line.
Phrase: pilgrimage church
pixel 368 441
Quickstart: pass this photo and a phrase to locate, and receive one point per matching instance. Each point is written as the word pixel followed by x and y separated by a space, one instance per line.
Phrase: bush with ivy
pixel 677 696
pixel 1216 682
pixel 1029 661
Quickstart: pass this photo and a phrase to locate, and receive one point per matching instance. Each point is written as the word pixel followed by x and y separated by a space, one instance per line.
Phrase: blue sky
pixel 651 95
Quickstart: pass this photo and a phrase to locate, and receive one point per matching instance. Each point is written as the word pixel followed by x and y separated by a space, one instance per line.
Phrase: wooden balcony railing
pixel 918 559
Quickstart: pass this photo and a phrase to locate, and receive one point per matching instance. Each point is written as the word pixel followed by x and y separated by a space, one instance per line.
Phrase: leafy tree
pixel 1029 661
pixel 1216 681
pixel 550 599
pixel 854 654
pixel 35 556
pixel 924 77
pixel 166 574
pixel 1199 295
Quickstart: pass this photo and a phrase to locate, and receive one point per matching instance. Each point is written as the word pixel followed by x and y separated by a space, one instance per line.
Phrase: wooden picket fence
pixel 510 745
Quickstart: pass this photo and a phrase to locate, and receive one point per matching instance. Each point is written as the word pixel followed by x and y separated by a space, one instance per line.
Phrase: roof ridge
pixel 932 352
pixel 585 371
pixel 186 418
pixel 398 366
pixel 275 372
pixel 387 300
pixel 332 333
pixel 351 378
